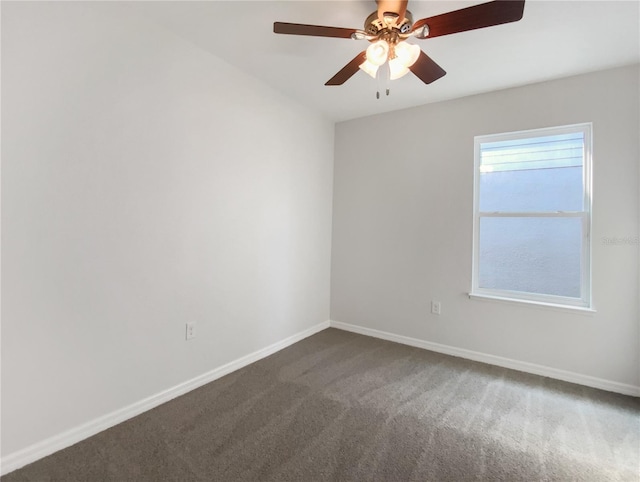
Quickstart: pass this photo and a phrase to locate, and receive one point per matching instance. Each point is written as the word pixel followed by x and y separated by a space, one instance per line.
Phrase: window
pixel 532 200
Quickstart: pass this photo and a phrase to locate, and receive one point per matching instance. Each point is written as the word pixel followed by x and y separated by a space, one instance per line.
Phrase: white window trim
pixel 586 301
pixel 535 304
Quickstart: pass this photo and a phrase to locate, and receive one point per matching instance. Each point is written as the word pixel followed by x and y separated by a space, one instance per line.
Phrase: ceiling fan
pixel 389 56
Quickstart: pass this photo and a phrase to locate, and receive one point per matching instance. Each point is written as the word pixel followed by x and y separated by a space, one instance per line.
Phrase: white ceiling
pixel 554 39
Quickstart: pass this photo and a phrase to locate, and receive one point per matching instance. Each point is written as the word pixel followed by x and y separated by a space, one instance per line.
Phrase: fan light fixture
pixel 398 58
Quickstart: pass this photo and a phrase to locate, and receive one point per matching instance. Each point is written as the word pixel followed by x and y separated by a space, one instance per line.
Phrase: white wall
pixel 145 183
pixel 402 226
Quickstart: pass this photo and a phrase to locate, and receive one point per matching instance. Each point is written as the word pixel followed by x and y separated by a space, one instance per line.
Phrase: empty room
pixel 320 240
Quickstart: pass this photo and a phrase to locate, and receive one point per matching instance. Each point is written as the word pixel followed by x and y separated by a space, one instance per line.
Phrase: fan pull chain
pixel 383 78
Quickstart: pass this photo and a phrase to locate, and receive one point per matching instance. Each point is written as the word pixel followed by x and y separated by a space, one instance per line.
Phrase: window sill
pixel 541 304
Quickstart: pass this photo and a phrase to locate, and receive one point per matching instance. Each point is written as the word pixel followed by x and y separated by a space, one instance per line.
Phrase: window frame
pixel 585 300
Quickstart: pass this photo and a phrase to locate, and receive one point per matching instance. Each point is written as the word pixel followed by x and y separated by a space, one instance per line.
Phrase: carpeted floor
pixel 344 407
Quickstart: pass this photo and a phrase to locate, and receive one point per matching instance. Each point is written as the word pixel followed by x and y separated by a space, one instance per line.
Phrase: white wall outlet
pixel 435 307
pixel 191 330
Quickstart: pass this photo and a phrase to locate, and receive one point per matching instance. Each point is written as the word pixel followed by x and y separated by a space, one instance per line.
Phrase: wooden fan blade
pixel 392 6
pixel 426 69
pixel 314 30
pixel 348 70
pixel 471 18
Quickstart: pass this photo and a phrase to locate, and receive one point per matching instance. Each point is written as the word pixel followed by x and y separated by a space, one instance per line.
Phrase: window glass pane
pixel 533 255
pixel 534 174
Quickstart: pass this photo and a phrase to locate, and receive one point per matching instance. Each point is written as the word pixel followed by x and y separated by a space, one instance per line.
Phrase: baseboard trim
pixel 66 439
pixel 521 366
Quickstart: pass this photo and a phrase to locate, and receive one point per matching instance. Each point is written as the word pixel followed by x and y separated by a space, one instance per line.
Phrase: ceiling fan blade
pixel 348 70
pixel 471 18
pixel 426 69
pixel 314 30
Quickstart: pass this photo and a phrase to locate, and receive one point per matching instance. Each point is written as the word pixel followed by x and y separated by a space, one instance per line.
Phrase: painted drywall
pixel 402 226
pixel 145 184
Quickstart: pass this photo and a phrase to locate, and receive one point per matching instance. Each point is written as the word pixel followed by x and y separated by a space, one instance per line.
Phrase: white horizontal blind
pixel 554 151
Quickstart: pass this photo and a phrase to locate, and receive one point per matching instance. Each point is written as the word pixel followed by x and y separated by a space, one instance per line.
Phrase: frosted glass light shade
pixel 369 68
pixel 378 52
pixel 406 56
pixel 396 69
pixel 407 53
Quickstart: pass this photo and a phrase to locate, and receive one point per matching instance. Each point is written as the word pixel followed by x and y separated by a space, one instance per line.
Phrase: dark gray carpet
pixel 345 407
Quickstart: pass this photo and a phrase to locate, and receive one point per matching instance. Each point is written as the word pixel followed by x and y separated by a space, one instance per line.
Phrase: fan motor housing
pixel 373 25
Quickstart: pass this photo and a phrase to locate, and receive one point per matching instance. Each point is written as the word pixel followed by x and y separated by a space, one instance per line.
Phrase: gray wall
pixel 145 184
pixel 402 226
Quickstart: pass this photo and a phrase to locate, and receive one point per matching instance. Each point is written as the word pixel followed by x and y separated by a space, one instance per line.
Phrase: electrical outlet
pixel 191 330
pixel 435 307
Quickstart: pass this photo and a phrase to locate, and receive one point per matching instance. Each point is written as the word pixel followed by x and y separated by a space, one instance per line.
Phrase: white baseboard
pixel 63 440
pixel 521 366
